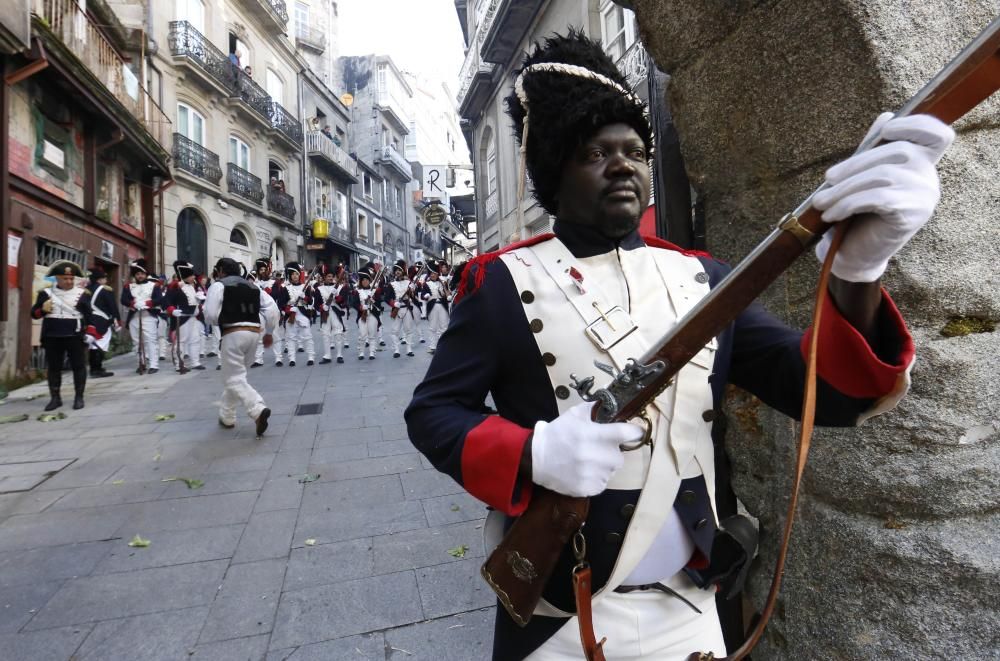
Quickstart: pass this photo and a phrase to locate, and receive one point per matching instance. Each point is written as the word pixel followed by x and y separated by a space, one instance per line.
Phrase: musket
pixel 142 347
pixel 520 567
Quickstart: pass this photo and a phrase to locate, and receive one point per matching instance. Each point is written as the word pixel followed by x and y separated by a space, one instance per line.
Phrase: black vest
pixel 240 302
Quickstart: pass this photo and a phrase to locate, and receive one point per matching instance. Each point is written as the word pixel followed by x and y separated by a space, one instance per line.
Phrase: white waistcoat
pixel 64 302
pixel 141 293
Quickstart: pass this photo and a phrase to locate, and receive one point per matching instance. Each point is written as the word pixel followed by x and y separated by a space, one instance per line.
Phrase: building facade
pixel 85 154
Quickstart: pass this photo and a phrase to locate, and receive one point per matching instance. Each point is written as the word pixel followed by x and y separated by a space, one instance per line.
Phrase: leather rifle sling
pixel 582 588
pixel 805 437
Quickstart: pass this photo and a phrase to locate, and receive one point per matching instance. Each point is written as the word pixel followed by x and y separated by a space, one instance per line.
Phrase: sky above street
pixel 422 36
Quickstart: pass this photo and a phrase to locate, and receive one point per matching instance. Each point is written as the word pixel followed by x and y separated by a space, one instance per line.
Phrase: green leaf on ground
pixel 157 457
pixel 459 551
pixel 50 417
pixel 163 417
pixel 308 477
pixel 455 508
pixel 310 542
pixel 118 482
pixel 192 483
pixel 139 543
pixel 4 419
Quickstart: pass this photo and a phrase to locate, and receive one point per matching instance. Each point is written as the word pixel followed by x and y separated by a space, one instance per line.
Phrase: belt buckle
pixel 610 328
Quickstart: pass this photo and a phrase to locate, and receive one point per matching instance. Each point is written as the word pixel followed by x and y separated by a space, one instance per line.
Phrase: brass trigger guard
pixel 647 438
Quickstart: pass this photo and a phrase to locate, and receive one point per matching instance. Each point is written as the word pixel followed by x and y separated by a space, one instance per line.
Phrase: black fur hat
pixel 566 108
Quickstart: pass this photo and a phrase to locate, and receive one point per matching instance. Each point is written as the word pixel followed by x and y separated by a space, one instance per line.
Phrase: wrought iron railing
pixel 318 143
pixel 192 157
pixel 281 203
pixel 472 66
pixel 283 121
pixel 186 41
pixel 634 64
pixel 253 94
pixel 279 8
pixel 243 183
pixel 70 24
pixel 492 204
pixel 394 158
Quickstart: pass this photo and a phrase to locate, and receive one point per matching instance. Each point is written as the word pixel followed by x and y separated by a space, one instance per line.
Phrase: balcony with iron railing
pixel 492 205
pixel 474 82
pixel 191 48
pixel 194 159
pixel 286 125
pixel 310 37
pixel 281 203
pixel 389 102
pixel 326 151
pixel 243 183
pixel 273 14
pixel 389 156
pixel 634 64
pixel 253 99
pixel 69 29
pixel 506 26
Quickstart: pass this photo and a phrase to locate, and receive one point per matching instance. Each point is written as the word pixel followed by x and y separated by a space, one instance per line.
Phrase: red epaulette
pixel 480 262
pixel 657 242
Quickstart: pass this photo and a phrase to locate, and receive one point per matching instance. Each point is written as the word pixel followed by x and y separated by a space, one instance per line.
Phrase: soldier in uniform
pixel 182 305
pixel 366 305
pixel 330 324
pixel 243 312
pixel 527 318
pixel 399 295
pixel 264 280
pixel 105 320
pixel 142 297
pixel 436 297
pixel 295 299
pixel 65 313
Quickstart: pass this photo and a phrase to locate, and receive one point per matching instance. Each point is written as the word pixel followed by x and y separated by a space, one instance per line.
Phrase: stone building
pixel 85 153
pixel 228 76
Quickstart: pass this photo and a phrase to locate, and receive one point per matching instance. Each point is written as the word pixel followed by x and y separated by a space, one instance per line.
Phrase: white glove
pixel 178 312
pixel 895 185
pixel 575 456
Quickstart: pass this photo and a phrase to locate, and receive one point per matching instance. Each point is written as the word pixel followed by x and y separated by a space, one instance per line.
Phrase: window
pixel 301 19
pixel 275 86
pixel 613 31
pixel 276 175
pixel 154 85
pixel 239 238
pixel 190 123
pixel 385 194
pixel 386 136
pixel 378 232
pixel 130 203
pixel 367 184
pixel 239 153
pixel 192 11
pixel 342 210
pixel 491 168
pixel 321 198
pixel 240 49
pixel 399 200
pixel 51 149
pixel 362 226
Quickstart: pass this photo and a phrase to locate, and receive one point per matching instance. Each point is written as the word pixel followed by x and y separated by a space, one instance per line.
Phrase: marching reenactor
pixel 142 297
pixel 182 306
pixel 243 312
pixel 263 278
pixel 331 323
pixel 399 296
pixel 295 299
pixel 105 320
pixel 657 544
pixel 65 311
pixel 363 300
pixel 436 296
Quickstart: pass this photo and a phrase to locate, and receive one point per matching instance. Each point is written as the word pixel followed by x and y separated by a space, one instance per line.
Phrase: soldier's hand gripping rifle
pixel 520 567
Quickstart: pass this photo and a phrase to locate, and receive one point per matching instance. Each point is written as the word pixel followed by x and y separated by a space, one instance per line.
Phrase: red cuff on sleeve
pixel 39 313
pixel 170 309
pixel 491 456
pixel 847 362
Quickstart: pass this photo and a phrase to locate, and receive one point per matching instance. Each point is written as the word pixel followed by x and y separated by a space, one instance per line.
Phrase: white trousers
pixel 211 339
pixel 333 332
pixel 644 625
pixel 277 347
pixel 299 334
pixel 438 319
pixel 189 339
pixel 402 329
pixel 367 332
pixel 237 351
pixel 150 336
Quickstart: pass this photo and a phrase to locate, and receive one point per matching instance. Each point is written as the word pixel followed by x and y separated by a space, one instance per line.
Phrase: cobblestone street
pixel 330 538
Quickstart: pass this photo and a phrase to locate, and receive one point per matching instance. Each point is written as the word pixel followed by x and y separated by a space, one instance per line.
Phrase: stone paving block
pixel 20 484
pixel 155 637
pixel 248 460
pixel 309 566
pixel 426 463
pixel 267 535
pixel 133 593
pixel 359 521
pixel 49 529
pixel 364 647
pixel 387 448
pixel 121 430
pixel 279 494
pixel 31 502
pixel 216 483
pixel 335 496
pixel 18 606
pixel 49 563
pixel 453 588
pixel 424 483
pixel 464 637
pixel 184 513
pixel 291 462
pixel 32 468
pixel 87 474
pixel 51 644
pixel 251 648
pixel 172 547
pixel 347 436
pixel 340 423
pixel 110 494
pixel 396 432
pixel 426 547
pixel 246 603
pixel 20 448
pixel 455 508
pixel 291 442
pixel 335 453
pixel 349 470
pixel 343 609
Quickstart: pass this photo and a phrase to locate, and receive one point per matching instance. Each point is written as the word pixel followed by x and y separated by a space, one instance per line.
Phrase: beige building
pixel 228 75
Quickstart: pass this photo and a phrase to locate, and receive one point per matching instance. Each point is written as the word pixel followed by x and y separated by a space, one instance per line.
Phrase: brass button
pixel 701 524
pixel 628 510
pixel 613 538
pixel 562 392
pixel 527 296
pixel 688 497
pixel 708 416
pixel 548 359
pixel 535 325
pixel 701 277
